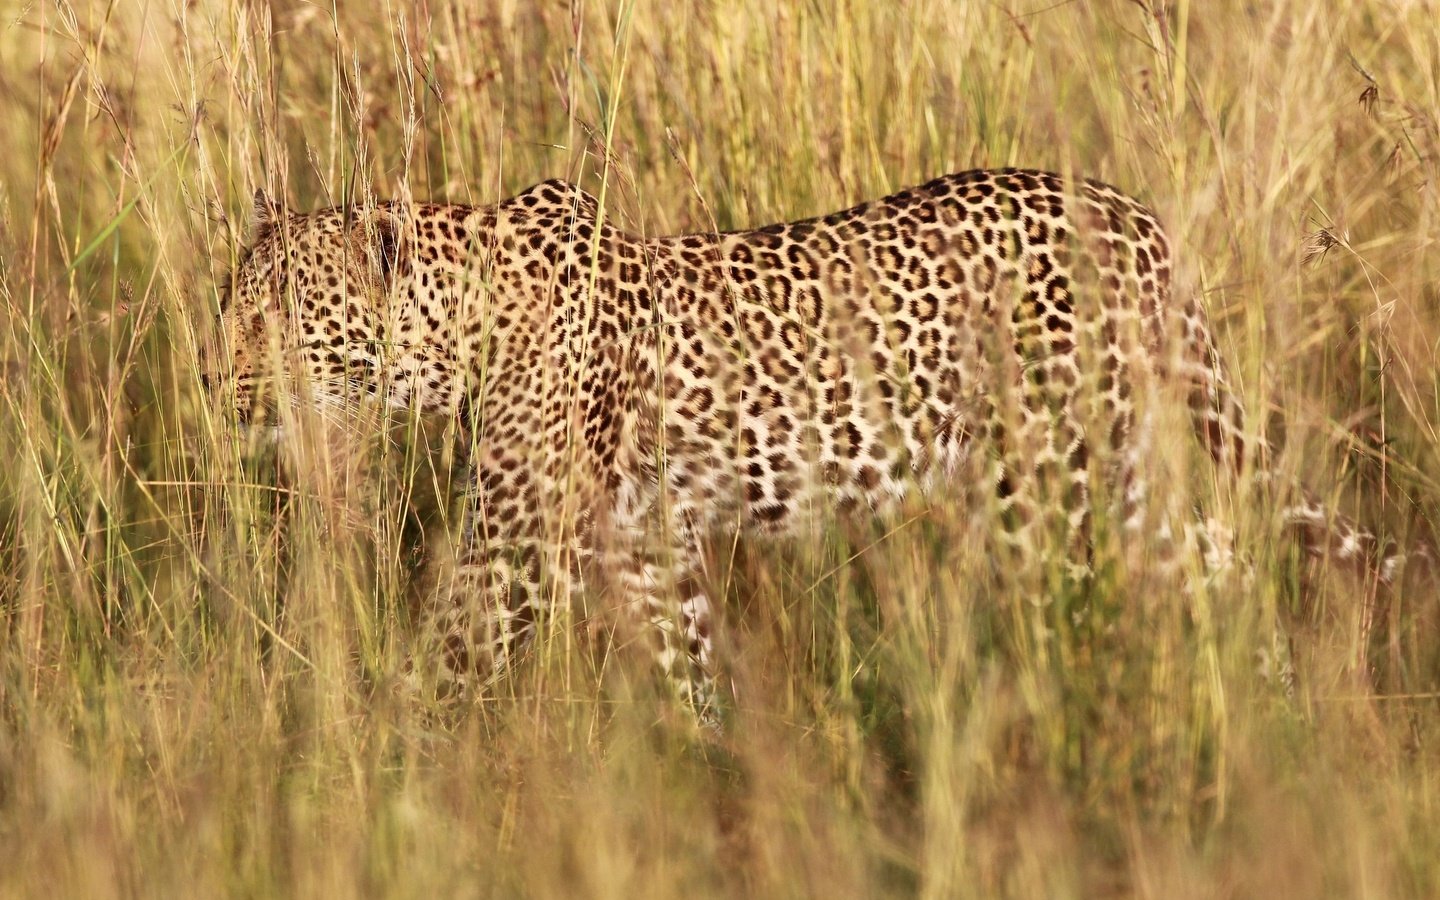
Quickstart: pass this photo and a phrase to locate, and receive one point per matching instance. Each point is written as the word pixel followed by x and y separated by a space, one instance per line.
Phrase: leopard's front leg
pixel 516 570
pixel 502 592
pixel 487 613
pixel 667 611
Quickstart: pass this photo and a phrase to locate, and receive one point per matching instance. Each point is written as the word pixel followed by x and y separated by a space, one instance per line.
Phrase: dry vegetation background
pixel 196 640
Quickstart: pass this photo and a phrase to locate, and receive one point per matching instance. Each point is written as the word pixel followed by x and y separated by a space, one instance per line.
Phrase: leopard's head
pixel 302 315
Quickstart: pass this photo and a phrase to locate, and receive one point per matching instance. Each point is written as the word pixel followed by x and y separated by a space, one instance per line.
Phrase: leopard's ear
pixel 385 235
pixel 264 212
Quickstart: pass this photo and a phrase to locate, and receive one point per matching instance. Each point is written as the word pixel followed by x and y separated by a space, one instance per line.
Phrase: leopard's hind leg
pixel 665 609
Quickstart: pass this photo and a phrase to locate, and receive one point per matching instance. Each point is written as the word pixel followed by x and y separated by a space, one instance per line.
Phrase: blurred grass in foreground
pixel 198 640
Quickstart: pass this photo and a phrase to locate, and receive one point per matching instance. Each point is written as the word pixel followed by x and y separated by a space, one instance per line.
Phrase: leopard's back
pixel 990 323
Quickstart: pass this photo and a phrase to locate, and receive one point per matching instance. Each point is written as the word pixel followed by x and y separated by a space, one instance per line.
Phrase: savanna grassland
pixel 198 638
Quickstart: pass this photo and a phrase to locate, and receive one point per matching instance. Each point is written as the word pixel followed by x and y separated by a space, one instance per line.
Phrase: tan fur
pixel 1001 327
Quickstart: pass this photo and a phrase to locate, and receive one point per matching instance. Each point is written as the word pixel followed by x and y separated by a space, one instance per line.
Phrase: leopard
pixel 623 398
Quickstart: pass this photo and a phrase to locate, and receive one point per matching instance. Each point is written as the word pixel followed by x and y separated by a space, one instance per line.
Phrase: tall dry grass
pixel 198 637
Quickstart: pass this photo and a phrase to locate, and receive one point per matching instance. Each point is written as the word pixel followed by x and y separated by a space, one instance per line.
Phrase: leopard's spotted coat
pixel 1002 327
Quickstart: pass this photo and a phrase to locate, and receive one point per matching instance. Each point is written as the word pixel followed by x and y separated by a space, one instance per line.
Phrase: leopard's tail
pixel 1219 420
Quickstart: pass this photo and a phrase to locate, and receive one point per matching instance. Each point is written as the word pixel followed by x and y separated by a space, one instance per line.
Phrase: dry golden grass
pixel 195 640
